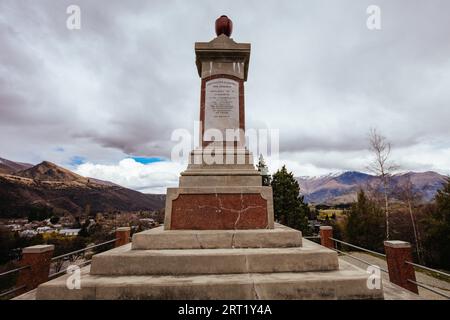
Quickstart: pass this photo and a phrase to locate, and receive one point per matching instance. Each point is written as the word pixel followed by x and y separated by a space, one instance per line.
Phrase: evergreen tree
pixel 262 168
pixel 366 224
pixel 437 230
pixel 289 207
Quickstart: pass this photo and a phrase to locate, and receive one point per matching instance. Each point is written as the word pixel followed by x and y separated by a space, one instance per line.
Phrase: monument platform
pixel 158 238
pixel 226 194
pixel 235 266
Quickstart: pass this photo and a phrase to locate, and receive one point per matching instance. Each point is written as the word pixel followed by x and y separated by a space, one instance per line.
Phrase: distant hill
pixel 8 166
pixel 47 185
pixel 343 187
pixel 47 171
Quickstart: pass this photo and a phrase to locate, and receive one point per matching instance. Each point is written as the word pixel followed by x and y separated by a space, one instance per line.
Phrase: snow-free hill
pixel 8 166
pixel 47 185
pixel 48 171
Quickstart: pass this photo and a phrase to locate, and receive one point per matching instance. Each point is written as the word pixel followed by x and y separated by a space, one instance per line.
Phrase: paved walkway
pixel 439 285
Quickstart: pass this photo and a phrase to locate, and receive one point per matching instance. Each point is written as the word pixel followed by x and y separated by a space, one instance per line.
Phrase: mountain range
pixel 24 187
pixel 343 187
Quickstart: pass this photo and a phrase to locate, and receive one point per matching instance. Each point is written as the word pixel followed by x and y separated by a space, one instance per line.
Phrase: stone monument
pixel 219 240
pixel 221 189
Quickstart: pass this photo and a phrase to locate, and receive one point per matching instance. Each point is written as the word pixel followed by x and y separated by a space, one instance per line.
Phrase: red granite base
pixel 219 212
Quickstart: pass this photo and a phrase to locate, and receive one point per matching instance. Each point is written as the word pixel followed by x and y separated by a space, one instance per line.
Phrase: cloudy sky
pixel 105 99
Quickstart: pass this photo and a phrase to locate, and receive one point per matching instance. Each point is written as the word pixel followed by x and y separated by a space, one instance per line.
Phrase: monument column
pixel 221 189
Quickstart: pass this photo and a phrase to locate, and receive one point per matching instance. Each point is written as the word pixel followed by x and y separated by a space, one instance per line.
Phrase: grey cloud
pixel 127 79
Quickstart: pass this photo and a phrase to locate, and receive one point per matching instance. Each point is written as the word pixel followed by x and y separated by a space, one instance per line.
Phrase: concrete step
pixel 158 238
pixel 349 282
pixel 124 261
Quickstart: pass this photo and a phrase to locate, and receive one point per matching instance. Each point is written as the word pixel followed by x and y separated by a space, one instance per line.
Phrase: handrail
pixel 427 268
pixel 360 248
pixel 6 293
pixel 420 284
pixel 63 271
pixel 383 255
pixel 81 250
pixel 359 259
pixel 14 270
pixel 423 285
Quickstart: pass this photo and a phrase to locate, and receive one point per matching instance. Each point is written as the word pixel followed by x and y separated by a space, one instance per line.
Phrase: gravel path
pixel 439 285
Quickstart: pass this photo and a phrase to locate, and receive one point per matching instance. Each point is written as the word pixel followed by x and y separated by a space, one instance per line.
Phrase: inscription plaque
pixel 221 107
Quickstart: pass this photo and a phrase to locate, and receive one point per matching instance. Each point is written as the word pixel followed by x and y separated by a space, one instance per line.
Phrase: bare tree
pixel 410 197
pixel 382 167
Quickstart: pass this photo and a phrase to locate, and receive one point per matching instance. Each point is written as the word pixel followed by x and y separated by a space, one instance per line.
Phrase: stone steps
pixel 347 283
pixel 158 238
pixel 219 264
pixel 124 261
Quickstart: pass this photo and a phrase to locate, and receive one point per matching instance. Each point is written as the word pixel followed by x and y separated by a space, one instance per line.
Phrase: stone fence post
pixel 122 236
pixel 38 258
pixel 397 252
pixel 326 232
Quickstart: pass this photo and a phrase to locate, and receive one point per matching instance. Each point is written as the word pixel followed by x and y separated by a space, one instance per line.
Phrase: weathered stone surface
pixel 124 261
pixel 219 208
pixel 224 155
pixel 252 273
pixel 158 238
pixel 219 211
pixel 221 56
pixel 221 108
pixel 347 283
pixel 39 248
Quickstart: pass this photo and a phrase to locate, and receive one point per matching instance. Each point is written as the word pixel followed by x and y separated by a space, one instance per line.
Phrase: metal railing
pixel 425 286
pixel 311 237
pixel 11 291
pixel 14 270
pixel 360 248
pixel 62 256
pixel 417 283
pixel 82 250
pixel 349 255
pixel 75 252
pixel 359 259
pixel 65 270
pixel 428 268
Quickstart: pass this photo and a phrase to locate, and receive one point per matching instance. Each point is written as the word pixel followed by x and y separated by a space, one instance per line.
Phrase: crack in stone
pixel 232 239
pixel 239 213
pixel 231 210
pixel 255 292
pixel 198 241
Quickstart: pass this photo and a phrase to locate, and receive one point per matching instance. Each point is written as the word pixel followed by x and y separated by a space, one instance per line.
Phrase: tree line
pixel 378 213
